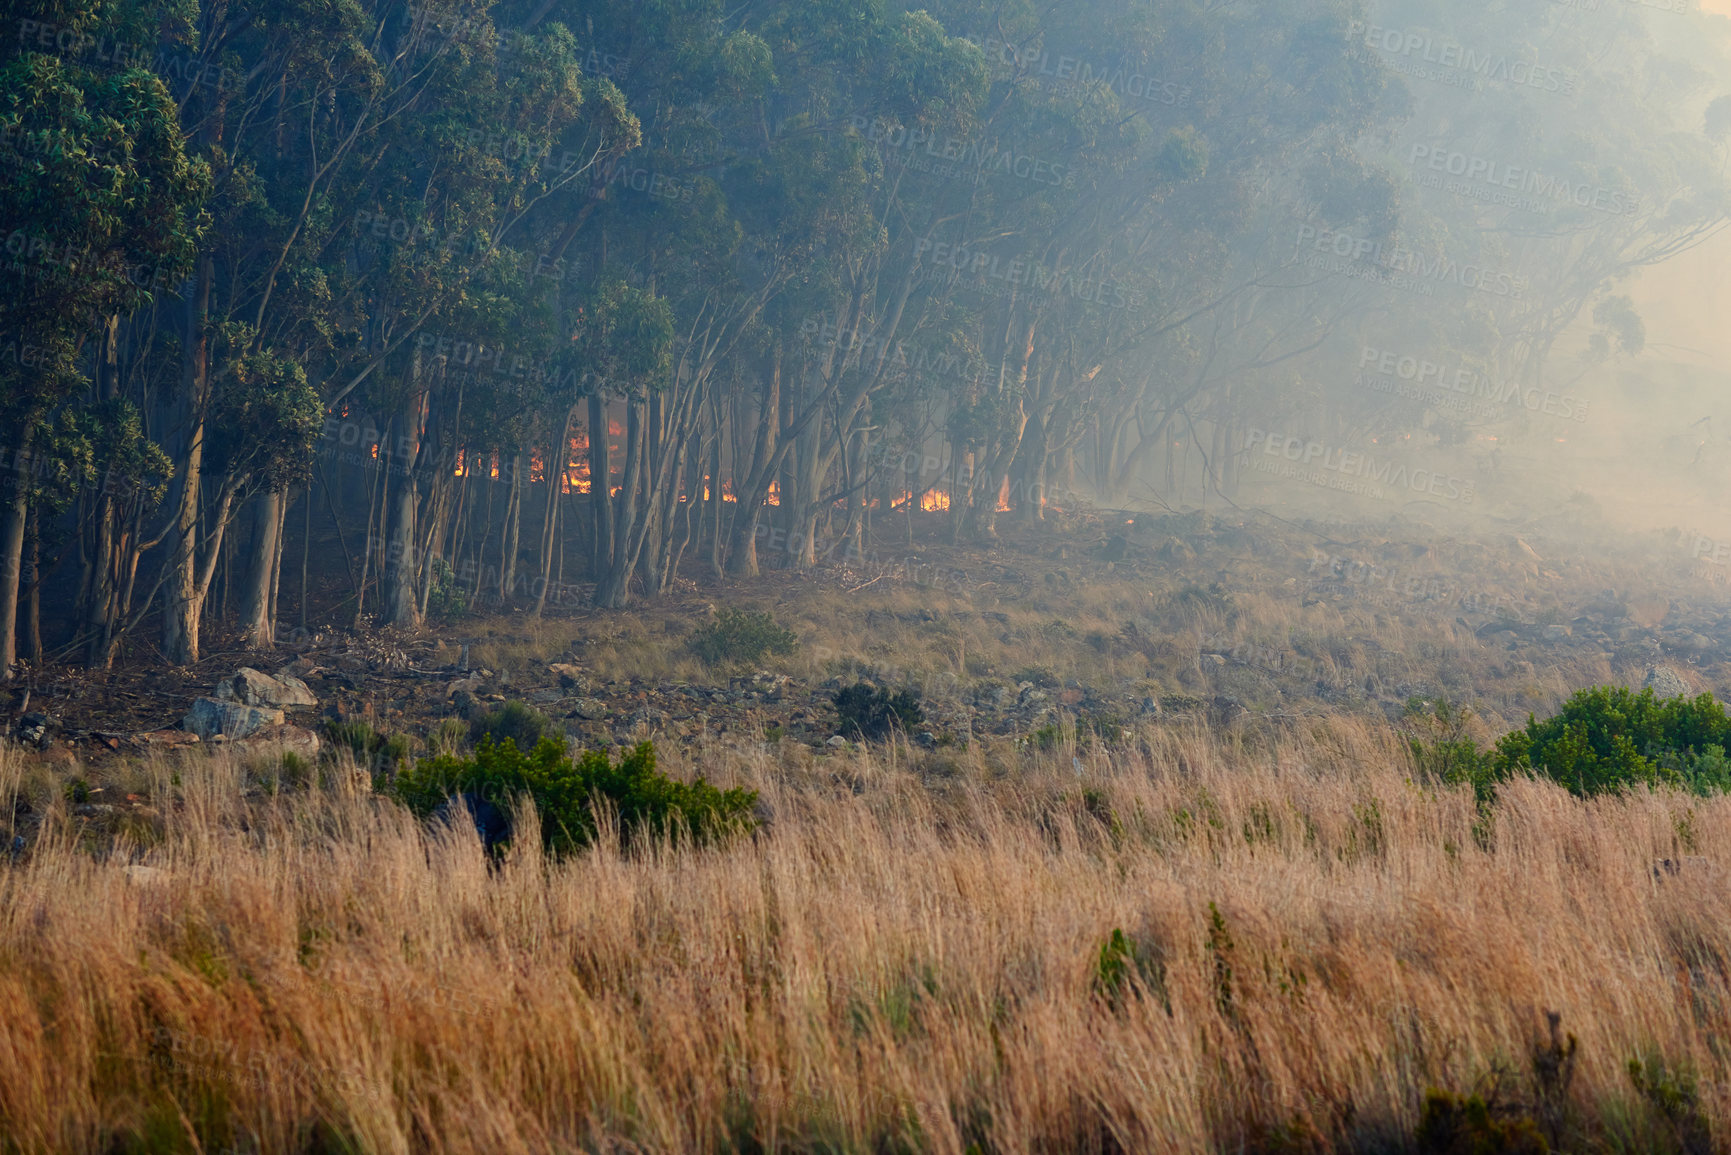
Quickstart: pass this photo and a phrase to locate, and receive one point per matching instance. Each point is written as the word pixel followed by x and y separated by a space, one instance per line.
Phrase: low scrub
pixel 871 712
pixel 741 636
pixel 1603 740
pixel 518 721
pixel 566 790
pixel 380 754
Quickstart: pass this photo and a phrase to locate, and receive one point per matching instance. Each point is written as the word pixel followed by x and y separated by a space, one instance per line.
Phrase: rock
pixel 34 729
pixel 463 686
pixel 545 696
pixel 165 738
pixel 838 742
pixel 570 677
pixel 253 688
pixel 1666 683
pixel 299 668
pixel 292 740
pixel 1214 661
pixel 210 717
pixel 491 824
pixel 1556 633
pixel 590 709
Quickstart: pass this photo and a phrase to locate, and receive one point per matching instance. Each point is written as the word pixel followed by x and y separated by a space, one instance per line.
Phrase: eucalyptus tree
pixel 103 207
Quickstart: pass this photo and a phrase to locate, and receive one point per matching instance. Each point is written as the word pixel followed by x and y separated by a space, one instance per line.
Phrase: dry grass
pixel 906 959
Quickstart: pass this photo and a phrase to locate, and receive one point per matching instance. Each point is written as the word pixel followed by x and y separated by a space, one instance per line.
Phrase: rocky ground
pixel 1102 618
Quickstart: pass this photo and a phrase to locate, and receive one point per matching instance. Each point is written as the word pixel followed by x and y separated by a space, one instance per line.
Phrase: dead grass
pixel 907 958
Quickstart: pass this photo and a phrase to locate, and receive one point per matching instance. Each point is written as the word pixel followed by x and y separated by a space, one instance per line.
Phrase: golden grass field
pixel 907 957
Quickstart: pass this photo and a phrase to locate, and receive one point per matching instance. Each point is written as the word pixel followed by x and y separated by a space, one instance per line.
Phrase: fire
pixel 900 504
pixel 1004 496
pixel 937 501
pixel 774 493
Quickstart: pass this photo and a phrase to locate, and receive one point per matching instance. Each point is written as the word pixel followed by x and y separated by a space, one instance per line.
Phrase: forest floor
pixel 1104 618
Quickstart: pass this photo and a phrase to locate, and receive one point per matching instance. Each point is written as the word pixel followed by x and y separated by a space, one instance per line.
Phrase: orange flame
pixel 937 501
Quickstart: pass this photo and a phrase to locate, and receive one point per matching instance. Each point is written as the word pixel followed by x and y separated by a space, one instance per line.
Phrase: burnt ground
pixel 1103 617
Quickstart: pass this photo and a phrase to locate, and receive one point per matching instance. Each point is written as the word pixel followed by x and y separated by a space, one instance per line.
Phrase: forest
pixel 580 300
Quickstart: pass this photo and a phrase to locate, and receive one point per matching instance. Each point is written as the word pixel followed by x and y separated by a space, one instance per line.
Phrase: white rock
pixel 260 689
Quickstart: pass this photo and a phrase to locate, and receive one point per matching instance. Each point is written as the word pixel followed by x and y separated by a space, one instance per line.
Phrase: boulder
pixel 253 688
pixel 590 709
pixel 570 677
pixel 212 716
pixel 1666 683
pixel 289 738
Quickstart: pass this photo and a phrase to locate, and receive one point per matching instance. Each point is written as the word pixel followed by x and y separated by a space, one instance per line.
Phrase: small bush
pixel 382 755
pixel 870 712
pixel 741 636
pixel 1476 1125
pixel 1444 750
pixel 1610 738
pixel 518 721
pixel 446 599
pixel 564 791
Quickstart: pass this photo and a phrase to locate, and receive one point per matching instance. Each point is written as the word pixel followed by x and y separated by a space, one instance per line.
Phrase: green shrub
pixel 446 599
pixel 1609 738
pixel 1475 1125
pixel 741 636
pixel 1123 958
pixel 871 712
pixel 373 751
pixel 1442 748
pixel 518 721
pixel 564 791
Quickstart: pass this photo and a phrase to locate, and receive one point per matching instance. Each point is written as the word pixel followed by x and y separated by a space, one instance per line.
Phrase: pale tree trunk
pixel 402 606
pixel 12 560
pixel 556 461
pixel 282 508
pixel 183 605
pixel 600 484
pixel 257 623
pixel 511 532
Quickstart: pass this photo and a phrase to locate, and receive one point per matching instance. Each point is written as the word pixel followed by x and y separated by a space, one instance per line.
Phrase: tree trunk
pixel 183 606
pixel 402 606
pixel 257 624
pixel 12 560
pixel 511 532
pixel 557 457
